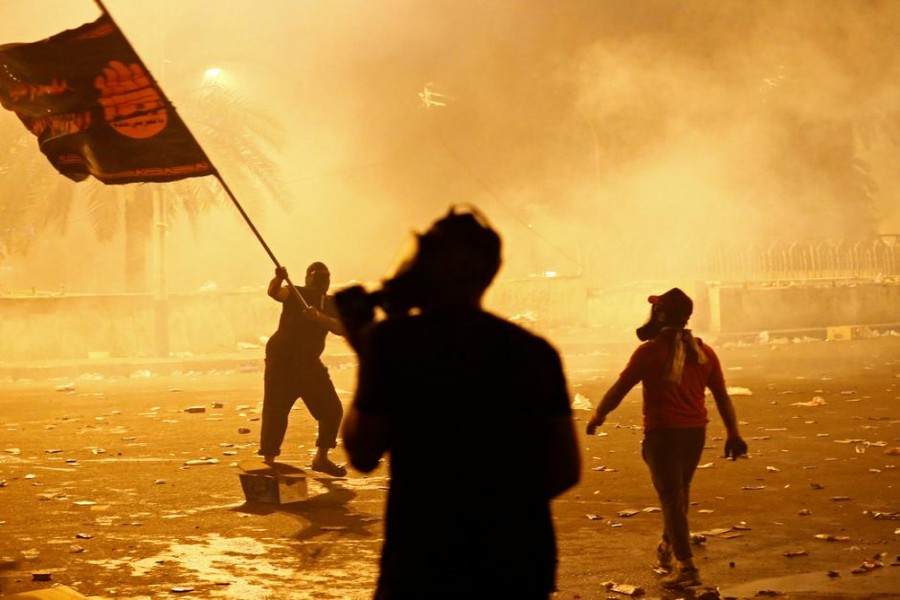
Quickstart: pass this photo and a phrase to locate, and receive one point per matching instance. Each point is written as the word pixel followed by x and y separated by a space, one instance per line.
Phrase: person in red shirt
pixel 675 369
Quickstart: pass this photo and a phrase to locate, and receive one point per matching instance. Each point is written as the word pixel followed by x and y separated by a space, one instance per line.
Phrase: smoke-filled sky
pixel 597 135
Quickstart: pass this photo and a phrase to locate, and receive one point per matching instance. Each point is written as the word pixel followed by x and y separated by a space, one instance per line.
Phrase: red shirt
pixel 668 404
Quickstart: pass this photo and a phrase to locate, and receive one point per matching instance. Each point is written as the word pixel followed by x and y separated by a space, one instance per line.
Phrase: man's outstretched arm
pixel 735 445
pixel 611 400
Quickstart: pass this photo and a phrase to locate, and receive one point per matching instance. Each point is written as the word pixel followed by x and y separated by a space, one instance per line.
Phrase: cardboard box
pixel 274 489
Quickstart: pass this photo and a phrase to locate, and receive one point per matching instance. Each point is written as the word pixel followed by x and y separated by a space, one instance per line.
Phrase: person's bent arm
pixel 365 439
pixel 611 400
pixel 564 458
pixel 275 290
pixel 333 324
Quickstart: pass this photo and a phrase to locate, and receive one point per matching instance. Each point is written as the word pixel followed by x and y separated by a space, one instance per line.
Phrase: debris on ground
pixel 623 588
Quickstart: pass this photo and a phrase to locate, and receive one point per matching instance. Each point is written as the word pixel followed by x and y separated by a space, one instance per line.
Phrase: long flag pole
pixel 215 171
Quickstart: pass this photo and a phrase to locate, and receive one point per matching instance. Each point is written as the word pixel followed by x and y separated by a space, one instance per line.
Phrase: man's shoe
pixel 681 578
pixel 664 557
pixel 326 466
pixel 269 459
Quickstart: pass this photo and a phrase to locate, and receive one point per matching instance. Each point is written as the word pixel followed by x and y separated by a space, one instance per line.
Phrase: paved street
pixel 114 486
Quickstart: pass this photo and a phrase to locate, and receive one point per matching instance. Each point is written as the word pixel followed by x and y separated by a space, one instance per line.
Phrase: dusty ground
pixel 96 494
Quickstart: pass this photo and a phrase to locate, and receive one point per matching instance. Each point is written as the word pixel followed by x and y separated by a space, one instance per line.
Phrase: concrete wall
pixel 125 325
pixel 81 326
pixel 803 306
pixel 75 326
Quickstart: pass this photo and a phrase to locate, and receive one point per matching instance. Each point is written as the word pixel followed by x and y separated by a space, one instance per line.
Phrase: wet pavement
pixel 123 483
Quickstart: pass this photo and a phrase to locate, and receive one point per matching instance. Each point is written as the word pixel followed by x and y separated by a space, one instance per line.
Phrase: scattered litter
pixel 832 538
pixel 739 391
pixel 83 536
pixel 883 516
pixel 708 465
pixel 630 512
pixel 816 401
pixel 201 461
pixel 243 430
pixel 715 532
pixel 603 469
pixel 771 469
pixel 750 488
pixel 840 498
pixel 581 403
pixel 195 409
pixel 66 387
pixel 868 565
pixel 41 576
pixel 795 553
pixel 623 588
pixel 593 517
pixel 804 512
pixel 13 451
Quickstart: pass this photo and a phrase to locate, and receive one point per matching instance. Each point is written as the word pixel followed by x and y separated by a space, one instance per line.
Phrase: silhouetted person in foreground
pixel 675 369
pixel 294 367
pixel 474 414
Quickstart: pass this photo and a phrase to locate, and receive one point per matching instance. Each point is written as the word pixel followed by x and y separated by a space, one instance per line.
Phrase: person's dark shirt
pixel 467 397
pixel 297 336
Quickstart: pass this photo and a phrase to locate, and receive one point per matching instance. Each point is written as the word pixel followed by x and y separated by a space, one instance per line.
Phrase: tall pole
pixel 161 295
pixel 161 299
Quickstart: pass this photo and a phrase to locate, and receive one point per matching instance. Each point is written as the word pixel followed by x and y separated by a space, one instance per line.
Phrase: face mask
pixel 651 328
pixel 319 280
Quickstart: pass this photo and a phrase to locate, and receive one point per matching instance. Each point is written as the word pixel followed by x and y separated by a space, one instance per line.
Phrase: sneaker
pixel 329 468
pixel 664 557
pixel 681 578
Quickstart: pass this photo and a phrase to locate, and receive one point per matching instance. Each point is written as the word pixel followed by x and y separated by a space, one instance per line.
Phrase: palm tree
pixel 245 138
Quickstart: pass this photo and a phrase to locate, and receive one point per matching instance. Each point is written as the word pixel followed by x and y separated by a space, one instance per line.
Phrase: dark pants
pixel 283 384
pixel 672 456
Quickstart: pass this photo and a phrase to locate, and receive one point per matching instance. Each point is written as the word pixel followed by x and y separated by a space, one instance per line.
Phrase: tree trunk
pixel 138 233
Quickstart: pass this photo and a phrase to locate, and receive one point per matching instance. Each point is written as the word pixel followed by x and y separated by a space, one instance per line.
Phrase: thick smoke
pixel 607 138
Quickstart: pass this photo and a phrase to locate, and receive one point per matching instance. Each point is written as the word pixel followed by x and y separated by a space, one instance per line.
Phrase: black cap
pixel 675 303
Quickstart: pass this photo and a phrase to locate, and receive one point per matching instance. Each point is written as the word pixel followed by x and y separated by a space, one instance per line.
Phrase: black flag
pixel 96 110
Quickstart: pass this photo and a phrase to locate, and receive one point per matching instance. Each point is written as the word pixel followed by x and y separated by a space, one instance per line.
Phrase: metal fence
pixel 872 258
pixel 876 259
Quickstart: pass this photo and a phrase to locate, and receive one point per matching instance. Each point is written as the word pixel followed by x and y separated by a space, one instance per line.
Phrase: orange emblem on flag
pixel 131 105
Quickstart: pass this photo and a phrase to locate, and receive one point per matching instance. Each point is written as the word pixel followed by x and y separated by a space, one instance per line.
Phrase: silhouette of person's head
pixel 318 277
pixel 456 260
pixel 672 309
